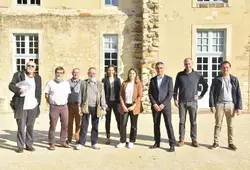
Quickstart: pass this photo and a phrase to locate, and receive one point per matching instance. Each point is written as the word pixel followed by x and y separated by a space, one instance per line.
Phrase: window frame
pixel 210 54
pixel 28 3
pixel 227 43
pixel 111 3
pixel 210 44
pixel 26 56
pixel 211 4
pixel 211 1
pixel 110 50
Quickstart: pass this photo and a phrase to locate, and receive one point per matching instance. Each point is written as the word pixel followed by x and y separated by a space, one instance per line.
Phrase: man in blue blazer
pixel 160 94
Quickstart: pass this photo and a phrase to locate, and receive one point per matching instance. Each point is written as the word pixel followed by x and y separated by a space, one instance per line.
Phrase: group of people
pixel 75 100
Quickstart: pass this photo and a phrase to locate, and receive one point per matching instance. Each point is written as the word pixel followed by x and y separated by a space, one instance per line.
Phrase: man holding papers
pixel 26 86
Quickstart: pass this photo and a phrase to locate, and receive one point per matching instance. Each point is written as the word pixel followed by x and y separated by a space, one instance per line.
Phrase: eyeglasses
pixel 31 66
pixel 59 72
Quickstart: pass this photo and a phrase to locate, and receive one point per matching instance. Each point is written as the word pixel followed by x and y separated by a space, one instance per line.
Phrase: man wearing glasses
pixel 26 86
pixel 56 94
pixel 92 103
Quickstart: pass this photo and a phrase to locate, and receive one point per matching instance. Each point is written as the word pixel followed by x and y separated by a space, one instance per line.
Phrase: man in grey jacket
pixel 26 102
pixel 92 103
pixel 225 98
pixel 187 82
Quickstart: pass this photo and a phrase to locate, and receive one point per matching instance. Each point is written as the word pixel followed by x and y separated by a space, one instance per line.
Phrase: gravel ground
pixel 140 157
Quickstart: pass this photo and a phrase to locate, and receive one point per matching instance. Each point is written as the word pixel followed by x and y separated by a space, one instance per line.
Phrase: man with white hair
pixel 92 103
pixel 26 86
pixel 73 101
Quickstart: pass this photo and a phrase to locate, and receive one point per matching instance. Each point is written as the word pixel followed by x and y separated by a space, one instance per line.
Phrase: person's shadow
pixel 102 140
pixel 200 144
pixel 41 139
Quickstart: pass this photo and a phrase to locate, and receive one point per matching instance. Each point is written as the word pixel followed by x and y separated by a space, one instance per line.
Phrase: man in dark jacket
pixel 26 101
pixel 225 98
pixel 160 94
pixel 186 88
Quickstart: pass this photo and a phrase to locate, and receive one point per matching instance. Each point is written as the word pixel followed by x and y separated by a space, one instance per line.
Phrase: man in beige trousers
pixel 225 98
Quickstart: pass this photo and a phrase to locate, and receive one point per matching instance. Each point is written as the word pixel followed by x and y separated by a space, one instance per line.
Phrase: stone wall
pixel 150 46
pixel 70 38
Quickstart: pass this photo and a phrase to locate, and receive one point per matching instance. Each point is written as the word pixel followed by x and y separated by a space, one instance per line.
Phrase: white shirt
pixel 58 92
pixel 159 80
pixel 226 91
pixel 129 91
pixel 30 101
pixel 112 89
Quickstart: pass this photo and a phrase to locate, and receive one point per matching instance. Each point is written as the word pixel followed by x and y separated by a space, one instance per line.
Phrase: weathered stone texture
pixel 150 46
pixel 70 41
pixel 148 30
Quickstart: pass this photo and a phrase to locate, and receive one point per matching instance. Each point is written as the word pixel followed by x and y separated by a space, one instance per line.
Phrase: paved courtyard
pixel 140 157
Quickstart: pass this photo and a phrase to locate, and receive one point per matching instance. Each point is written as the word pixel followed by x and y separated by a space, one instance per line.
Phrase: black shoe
pixel 156 145
pixel 19 150
pixel 215 145
pixel 172 149
pixel 232 147
pixel 30 148
pixel 68 141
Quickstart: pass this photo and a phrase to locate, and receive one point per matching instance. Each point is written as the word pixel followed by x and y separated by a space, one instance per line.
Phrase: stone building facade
pixel 127 33
pixel 208 31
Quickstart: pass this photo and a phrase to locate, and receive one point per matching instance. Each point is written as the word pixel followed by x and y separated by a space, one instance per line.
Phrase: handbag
pixel 12 103
pixel 13 100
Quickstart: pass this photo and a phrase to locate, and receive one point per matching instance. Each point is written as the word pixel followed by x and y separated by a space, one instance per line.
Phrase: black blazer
pixel 117 86
pixel 19 101
pixel 162 95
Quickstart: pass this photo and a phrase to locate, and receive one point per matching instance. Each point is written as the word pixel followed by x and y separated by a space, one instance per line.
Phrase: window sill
pixel 27 5
pixel 110 7
pixel 211 5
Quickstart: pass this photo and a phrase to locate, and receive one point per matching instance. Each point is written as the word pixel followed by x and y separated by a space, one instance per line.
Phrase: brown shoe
pixel 108 141
pixel 52 147
pixel 65 145
pixel 195 144
pixel 180 143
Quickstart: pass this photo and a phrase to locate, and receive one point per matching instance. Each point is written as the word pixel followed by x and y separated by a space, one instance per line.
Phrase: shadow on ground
pixel 41 139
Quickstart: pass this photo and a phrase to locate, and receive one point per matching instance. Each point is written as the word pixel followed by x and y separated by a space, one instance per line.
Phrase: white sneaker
pixel 95 146
pixel 79 147
pixel 130 145
pixel 121 145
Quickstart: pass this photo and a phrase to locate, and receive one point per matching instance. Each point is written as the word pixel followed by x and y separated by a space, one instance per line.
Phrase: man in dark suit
pixel 160 94
pixel 25 104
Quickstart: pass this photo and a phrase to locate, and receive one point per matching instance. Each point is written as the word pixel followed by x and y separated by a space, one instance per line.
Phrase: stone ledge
pixel 69 12
pixel 212 5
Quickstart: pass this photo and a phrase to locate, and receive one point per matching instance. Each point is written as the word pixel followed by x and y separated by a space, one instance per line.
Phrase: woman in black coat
pixel 112 85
